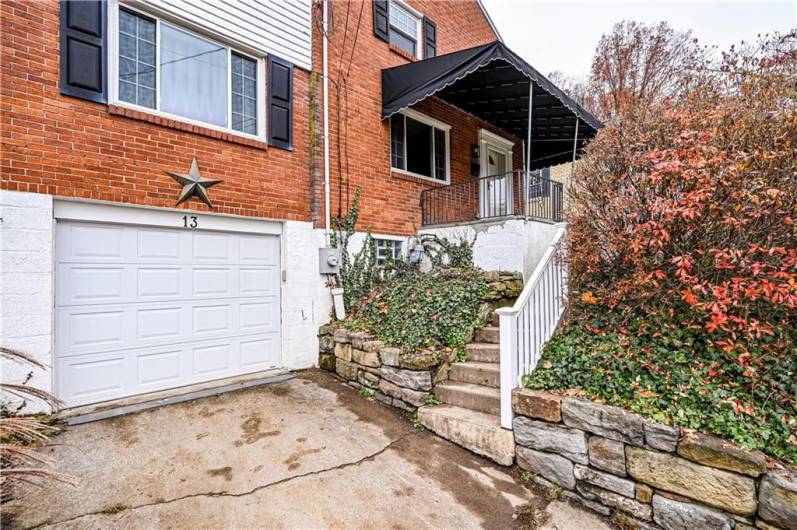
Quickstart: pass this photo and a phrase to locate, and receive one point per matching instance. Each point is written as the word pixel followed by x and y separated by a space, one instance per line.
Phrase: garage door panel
pixel 156 244
pixel 140 309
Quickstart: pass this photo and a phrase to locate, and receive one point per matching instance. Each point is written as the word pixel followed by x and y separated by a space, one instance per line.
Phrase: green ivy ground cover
pixel 436 310
pixel 672 374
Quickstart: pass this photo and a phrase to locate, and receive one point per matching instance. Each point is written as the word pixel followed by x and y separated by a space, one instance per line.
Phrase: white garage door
pixel 140 309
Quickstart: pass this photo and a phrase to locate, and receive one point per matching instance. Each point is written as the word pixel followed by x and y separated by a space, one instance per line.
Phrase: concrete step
pixel 469 396
pixel 485 374
pixel 487 334
pixel 475 431
pixel 483 352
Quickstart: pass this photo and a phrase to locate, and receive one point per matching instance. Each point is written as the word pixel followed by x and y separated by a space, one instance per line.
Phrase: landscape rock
pixel 341 336
pixel 570 443
pixel 778 498
pixel 607 421
pixel 413 397
pixel 366 358
pixel 326 344
pixel 716 452
pixel 591 505
pixel 343 351
pixel 675 515
pixel 713 487
pixel 368 379
pixel 403 406
pixel 644 493
pixel 555 468
pixel 383 398
pixel 660 436
pixel 345 369
pixel 763 525
pixel 358 338
pixel 326 361
pixel 373 346
pixel 414 379
pixel 422 360
pixel 626 522
pixel 537 404
pixel 326 329
pixel 606 454
pixel 605 480
pixel 615 500
pixel 390 356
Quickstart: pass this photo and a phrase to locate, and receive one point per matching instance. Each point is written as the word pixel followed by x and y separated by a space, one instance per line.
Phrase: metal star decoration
pixel 194 185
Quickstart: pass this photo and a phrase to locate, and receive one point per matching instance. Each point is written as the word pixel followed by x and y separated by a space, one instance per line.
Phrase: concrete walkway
pixel 304 453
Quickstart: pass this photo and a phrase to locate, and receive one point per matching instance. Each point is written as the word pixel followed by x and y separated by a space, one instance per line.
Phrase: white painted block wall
pixel 513 245
pixel 26 286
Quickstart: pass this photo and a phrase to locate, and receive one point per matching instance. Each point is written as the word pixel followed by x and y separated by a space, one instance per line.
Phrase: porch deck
pixel 514 194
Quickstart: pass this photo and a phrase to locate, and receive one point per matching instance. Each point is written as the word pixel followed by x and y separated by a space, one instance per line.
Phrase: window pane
pixel 419 148
pixel 439 154
pixel 387 250
pixel 193 77
pixel 244 92
pixel 405 43
pixel 403 20
pixel 136 59
pixel 397 141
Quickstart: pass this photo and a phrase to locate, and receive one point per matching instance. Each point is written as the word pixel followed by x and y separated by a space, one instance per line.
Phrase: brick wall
pixel 390 201
pixel 72 148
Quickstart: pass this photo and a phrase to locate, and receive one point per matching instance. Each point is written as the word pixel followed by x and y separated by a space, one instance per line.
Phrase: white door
pixel 140 309
pixel 495 185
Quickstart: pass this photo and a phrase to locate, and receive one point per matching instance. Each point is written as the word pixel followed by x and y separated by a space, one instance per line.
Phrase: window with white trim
pixel 387 250
pixel 419 146
pixel 179 73
pixel 405 29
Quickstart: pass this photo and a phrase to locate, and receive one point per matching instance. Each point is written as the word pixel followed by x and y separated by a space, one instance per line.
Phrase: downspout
pixel 325 61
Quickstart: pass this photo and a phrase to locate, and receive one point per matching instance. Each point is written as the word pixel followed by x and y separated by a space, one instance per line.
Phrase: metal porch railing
pixel 516 193
pixel 527 325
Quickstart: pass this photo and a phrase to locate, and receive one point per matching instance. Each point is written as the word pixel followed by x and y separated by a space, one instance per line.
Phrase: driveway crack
pixel 344 465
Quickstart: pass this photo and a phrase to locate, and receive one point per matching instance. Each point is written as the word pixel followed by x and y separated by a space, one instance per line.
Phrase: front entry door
pixel 495 184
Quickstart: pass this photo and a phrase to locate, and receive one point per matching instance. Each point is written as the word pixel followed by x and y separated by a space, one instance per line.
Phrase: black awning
pixel 492 83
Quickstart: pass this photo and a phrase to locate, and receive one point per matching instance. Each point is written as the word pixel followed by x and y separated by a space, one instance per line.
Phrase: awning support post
pixel 575 148
pixel 525 201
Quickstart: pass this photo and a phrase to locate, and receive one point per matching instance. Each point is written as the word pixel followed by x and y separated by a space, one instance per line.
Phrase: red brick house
pixel 116 270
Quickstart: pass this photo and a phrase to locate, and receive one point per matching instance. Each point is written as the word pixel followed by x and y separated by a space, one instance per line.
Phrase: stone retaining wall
pixel 403 380
pixel 648 475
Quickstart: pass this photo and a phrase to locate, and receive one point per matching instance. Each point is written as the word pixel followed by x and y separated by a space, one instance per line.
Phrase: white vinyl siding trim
pixel 279 27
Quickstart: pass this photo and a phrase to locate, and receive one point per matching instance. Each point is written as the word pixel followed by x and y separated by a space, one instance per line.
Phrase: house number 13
pixel 189 221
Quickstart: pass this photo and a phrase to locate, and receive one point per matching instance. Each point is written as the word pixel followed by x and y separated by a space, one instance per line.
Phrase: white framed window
pixel 387 250
pixel 405 28
pixel 162 68
pixel 419 146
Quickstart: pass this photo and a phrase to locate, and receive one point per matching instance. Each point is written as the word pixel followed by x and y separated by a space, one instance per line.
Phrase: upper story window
pixel 178 73
pixel 405 28
pixel 419 145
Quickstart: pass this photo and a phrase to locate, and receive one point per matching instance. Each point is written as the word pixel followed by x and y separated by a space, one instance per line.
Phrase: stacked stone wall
pixel 648 475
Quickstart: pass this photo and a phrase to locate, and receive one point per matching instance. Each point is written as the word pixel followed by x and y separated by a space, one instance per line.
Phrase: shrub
pixel 19 462
pixel 683 248
pixel 673 374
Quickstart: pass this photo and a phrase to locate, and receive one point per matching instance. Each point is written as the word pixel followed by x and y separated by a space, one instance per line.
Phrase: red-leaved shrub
pixel 688 207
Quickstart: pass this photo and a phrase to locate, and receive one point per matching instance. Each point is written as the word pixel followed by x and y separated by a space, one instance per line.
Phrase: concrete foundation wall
pixel 26 287
pixel 513 245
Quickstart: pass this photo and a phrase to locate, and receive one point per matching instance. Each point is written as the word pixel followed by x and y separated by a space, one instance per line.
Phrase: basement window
pixel 419 146
pixel 387 250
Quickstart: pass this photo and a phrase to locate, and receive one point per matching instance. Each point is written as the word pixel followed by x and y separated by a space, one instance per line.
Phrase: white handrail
pixel 530 322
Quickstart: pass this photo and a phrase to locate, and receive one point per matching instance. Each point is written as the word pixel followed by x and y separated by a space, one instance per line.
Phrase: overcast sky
pixel 562 34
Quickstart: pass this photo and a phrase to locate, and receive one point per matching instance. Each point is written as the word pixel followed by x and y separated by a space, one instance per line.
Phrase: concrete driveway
pixel 303 453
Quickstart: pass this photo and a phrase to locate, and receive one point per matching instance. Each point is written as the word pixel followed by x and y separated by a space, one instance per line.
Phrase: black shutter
pixel 83 49
pixel 381 20
pixel 280 103
pixel 429 38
